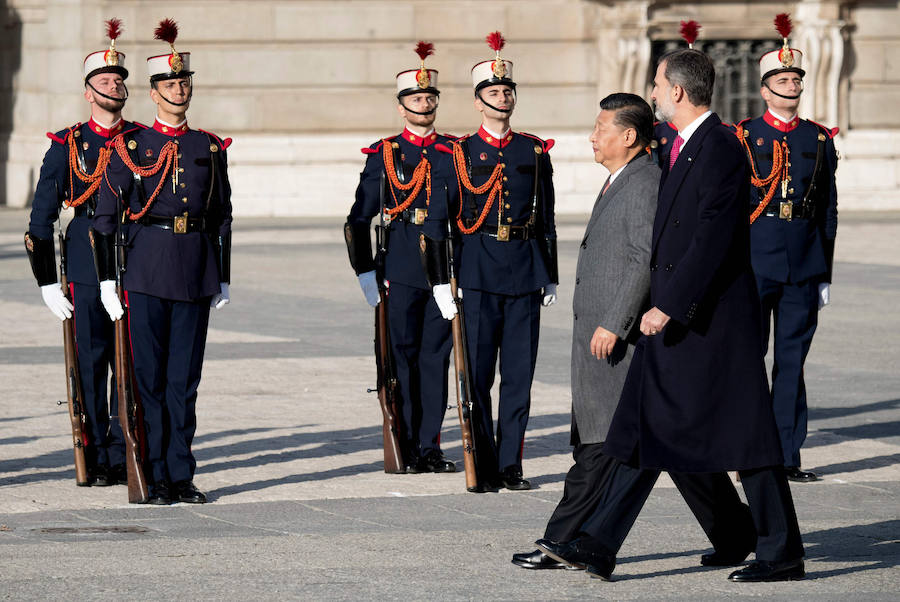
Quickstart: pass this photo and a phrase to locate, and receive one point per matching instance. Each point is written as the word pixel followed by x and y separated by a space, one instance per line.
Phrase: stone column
pixel 820 35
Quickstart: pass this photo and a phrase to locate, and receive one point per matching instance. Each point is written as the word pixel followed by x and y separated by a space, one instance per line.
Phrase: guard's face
pixel 176 90
pixel 500 96
pixel 777 86
pixel 421 102
pixel 661 95
pixel 608 138
pixel 110 84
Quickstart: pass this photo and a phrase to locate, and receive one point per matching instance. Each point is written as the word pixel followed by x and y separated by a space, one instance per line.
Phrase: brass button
pixel 424 152
pixel 182 184
pixel 503 165
pixel 180 170
pixel 132 145
pixel 184 199
pixel 790 191
pixel 506 206
pixel 179 155
pixel 500 153
pixel 505 179
pixel 77 133
pixel 509 220
pixel 505 193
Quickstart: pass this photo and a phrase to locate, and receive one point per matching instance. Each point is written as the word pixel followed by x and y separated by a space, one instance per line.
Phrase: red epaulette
pixel 65 136
pixel 222 143
pixel 546 145
pixel 375 147
pixel 831 133
pixel 443 148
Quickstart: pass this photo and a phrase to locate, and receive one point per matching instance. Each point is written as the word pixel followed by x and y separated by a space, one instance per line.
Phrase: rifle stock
pixel 74 392
pixel 130 417
pixel 387 391
pixel 463 392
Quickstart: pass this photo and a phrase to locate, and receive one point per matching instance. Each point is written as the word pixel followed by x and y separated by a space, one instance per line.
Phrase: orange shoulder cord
pixel 92 180
pixel 421 177
pixel 168 159
pixel 494 184
pixel 779 168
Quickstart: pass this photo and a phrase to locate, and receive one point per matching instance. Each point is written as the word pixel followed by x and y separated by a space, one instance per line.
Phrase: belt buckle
pixel 180 225
pixel 786 210
pixel 420 216
pixel 503 233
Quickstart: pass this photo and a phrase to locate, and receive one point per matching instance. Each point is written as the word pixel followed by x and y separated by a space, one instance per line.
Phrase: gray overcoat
pixel 612 289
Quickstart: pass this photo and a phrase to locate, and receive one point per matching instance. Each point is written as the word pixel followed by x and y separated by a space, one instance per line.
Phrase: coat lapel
pixel 603 200
pixel 672 180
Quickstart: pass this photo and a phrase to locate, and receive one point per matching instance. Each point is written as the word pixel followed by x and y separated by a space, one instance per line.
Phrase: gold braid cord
pixel 779 168
pixel 75 171
pixel 421 177
pixel 494 184
pixel 167 160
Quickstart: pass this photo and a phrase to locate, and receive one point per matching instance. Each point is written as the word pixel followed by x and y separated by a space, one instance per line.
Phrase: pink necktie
pixel 676 148
pixel 606 187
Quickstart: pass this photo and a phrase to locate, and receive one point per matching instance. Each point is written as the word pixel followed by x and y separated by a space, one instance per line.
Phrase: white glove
pixel 444 299
pixel 369 286
pixel 221 299
pixel 824 294
pixel 56 301
pixel 549 295
pixel 110 300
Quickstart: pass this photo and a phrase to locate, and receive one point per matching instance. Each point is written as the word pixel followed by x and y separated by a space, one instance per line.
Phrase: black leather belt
pixel 504 233
pixel 411 216
pixel 84 211
pixel 179 224
pixel 786 211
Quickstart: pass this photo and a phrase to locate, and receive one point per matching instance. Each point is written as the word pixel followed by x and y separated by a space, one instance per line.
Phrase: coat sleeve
pixel 633 290
pixel 831 211
pixel 548 197
pixel 367 201
pixel 720 182
pixel 50 191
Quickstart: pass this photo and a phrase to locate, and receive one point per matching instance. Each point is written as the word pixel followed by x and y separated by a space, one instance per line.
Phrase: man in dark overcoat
pixel 696 401
pixel 612 288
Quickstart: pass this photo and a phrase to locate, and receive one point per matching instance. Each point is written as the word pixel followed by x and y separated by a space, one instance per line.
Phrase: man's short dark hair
pixel 632 111
pixel 694 72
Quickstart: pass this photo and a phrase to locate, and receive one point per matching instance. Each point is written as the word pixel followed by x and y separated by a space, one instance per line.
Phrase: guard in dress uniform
pixel 411 171
pixel 501 205
pixel 793 215
pixel 70 177
pixel 168 184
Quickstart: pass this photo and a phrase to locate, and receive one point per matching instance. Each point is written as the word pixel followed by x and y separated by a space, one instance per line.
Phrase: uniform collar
pixel 168 129
pixel 106 132
pixel 780 124
pixel 492 139
pixel 414 138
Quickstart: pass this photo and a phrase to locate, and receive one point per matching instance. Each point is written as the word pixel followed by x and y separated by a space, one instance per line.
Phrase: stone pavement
pixel 289 449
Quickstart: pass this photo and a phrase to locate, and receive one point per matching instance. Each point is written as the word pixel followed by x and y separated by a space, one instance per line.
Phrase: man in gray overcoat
pixel 612 287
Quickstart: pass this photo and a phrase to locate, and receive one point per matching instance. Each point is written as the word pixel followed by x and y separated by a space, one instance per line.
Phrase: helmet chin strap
pixel 177 104
pixel 487 104
pixel 108 97
pixel 406 108
pixel 782 95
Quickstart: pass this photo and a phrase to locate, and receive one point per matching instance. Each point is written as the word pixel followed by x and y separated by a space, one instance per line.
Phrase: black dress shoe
pixel 764 570
pixel 434 461
pixel 724 559
pixel 102 476
pixel 793 473
pixel 595 564
pixel 160 495
pixel 187 493
pixel 538 560
pixel 118 475
pixel 511 478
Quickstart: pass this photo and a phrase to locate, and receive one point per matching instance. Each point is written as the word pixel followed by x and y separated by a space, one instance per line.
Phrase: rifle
pixel 130 415
pixel 74 392
pixel 464 401
pixel 386 383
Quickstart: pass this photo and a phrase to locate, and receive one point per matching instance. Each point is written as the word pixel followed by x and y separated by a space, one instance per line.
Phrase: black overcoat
pixel 696 397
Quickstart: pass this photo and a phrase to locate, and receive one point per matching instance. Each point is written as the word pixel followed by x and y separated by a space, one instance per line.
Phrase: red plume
pixel 689 31
pixel 496 41
pixel 113 28
pixel 783 24
pixel 424 49
pixel 167 31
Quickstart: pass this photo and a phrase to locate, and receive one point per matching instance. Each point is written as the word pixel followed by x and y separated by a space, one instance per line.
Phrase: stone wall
pixel 302 85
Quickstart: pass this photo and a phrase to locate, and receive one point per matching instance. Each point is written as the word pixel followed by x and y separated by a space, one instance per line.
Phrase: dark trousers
pixel 585 485
pixel 168 339
pixel 95 347
pixel 794 308
pixel 507 326
pixel 421 342
pixel 716 506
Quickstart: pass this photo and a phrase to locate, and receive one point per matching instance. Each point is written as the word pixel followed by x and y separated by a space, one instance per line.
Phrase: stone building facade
pixel 302 85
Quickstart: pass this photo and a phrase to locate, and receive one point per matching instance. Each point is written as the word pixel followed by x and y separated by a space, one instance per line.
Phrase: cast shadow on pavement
pixel 342 471
pixel 829 413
